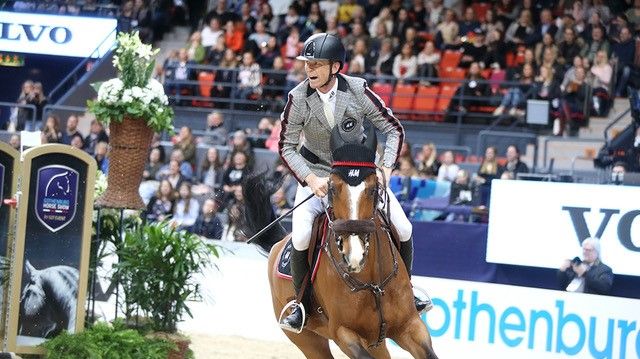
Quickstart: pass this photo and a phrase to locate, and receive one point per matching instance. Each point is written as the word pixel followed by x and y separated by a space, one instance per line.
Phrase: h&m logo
pixel 624 224
pixel 33 33
pixel 353 173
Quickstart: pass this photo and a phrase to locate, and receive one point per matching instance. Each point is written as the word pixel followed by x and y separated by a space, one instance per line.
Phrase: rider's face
pixel 318 72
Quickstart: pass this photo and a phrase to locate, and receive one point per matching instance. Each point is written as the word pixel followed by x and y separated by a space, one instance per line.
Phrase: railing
pixel 613 123
pixel 530 138
pixel 72 79
pixel 546 141
pixel 30 107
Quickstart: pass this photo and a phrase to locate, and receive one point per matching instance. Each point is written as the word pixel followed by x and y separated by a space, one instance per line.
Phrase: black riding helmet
pixel 323 46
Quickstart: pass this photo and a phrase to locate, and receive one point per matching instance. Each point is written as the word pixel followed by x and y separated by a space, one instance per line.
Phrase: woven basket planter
pixel 129 141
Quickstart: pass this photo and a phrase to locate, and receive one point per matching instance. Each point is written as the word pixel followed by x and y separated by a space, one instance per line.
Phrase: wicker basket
pixel 182 346
pixel 129 141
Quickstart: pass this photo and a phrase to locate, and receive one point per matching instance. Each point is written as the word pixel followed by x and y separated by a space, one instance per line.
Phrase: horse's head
pixel 353 195
pixel 33 295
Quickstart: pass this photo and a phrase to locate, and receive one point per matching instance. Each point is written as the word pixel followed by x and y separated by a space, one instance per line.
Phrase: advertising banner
pixel 54 230
pixel 499 321
pixel 540 224
pixel 56 34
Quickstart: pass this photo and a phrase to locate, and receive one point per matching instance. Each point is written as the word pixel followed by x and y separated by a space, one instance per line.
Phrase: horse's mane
pixel 256 191
pixel 62 282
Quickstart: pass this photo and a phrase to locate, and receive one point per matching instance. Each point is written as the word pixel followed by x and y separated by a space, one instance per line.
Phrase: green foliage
pixel 133 93
pixel 156 268
pixel 104 341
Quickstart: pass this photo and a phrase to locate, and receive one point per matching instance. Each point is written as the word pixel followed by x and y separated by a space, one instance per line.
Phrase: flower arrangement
pixel 133 93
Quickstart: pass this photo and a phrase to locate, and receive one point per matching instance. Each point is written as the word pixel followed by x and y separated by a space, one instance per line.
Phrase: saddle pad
pixel 283 264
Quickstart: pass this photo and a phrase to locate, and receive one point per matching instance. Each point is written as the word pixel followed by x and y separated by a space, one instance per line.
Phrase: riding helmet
pixel 323 46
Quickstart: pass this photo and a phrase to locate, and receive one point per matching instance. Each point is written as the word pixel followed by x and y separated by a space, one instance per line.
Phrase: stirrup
pixel 292 304
pixel 425 296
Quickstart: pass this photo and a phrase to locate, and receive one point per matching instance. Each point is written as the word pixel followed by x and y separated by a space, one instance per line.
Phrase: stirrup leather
pixel 292 304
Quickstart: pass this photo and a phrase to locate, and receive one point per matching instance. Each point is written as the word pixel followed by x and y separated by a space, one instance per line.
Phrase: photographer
pixel 587 275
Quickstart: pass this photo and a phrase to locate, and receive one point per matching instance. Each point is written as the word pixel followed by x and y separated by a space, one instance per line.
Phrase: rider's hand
pixel 319 185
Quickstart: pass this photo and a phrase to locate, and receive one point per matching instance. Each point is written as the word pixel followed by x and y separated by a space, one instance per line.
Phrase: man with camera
pixel 586 275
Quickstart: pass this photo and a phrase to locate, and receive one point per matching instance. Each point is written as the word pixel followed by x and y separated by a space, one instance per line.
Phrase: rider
pixel 323 100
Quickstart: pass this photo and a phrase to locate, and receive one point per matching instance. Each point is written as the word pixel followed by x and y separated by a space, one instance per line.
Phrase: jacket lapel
pixel 317 109
pixel 342 100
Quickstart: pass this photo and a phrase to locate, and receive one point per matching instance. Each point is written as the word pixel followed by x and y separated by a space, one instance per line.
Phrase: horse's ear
pixel 29 268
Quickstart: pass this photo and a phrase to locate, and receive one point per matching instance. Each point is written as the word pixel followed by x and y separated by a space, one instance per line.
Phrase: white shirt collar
pixel 331 95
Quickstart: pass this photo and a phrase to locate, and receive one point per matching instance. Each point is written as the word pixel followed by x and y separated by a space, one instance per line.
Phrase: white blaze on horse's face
pixel 356 253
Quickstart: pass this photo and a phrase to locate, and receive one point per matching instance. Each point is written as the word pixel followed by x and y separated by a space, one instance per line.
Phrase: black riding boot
pixel 406 252
pixel 299 270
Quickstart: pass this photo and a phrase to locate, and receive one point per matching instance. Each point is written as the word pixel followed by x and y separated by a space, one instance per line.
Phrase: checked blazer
pixel 304 115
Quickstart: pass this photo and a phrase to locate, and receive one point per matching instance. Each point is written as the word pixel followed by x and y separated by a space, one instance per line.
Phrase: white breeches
pixel 303 216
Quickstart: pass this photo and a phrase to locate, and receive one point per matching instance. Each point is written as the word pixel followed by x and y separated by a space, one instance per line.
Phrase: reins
pixel 355 285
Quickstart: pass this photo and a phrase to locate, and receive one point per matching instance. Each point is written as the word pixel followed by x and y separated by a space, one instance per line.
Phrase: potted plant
pixel 107 341
pixel 133 105
pixel 157 265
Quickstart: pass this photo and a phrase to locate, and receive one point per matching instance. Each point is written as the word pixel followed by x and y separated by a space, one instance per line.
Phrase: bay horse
pixel 361 293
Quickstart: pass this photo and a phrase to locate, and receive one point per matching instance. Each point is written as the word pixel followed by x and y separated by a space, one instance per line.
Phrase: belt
pixel 309 156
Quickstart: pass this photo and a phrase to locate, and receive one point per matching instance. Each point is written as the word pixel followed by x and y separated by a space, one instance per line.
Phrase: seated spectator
pixel 216 132
pixel 569 48
pixel 405 64
pixel 280 203
pixel 208 223
pixel 586 275
pixel 468 23
pixel 461 193
pixel 496 51
pixel 447 30
pixel 215 53
pixel 474 49
pixel 233 36
pixel 96 134
pixel 573 104
pixel 276 80
pixel 428 163
pixel 14 141
pixel 153 165
pixel 225 76
pixel 520 30
pixel 548 89
pixel 597 43
pixel 260 37
pixel 249 78
pixel 37 98
pixel 236 217
pixel 161 205
pixel 513 165
pixel 272 143
pixel 156 144
pixel 240 142
pixel 570 74
pixel 473 92
pixel 295 75
pixel 102 150
pixel 406 168
pixel 385 61
pixel 268 53
pixel 517 96
pixel 623 53
pixel 51 130
pixel 448 169
pixel 171 173
pixel 602 74
pixel 184 167
pixel 143 18
pixel 315 21
pixel 77 141
pixel 186 209
pixel 186 143
pixel 547 43
pixel 428 61
pixel 195 50
pixel 71 129
pixel 235 173
pixel 71 7
pixel 488 170
pixel 211 33
pixel 211 170
pixel 180 73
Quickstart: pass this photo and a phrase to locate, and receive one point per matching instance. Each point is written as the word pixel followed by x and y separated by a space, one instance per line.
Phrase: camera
pixel 576 261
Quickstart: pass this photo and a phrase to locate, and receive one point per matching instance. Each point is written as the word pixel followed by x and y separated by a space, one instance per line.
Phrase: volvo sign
pixel 56 35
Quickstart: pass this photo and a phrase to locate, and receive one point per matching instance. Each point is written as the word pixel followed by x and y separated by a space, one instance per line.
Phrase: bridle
pixel 341 227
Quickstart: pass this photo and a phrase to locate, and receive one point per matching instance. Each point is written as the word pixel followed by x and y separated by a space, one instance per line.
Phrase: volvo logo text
pixel 34 33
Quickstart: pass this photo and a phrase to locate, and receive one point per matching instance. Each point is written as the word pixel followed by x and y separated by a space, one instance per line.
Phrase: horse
pixel 361 294
pixel 48 301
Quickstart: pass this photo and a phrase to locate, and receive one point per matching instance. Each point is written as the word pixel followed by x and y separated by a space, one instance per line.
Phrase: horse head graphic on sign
pixel 56 196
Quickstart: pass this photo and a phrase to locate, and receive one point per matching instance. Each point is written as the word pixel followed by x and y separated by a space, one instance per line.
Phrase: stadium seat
pixel 450 60
pixel 425 102
pixel 453 76
pixel 383 90
pixel 480 9
pixel 402 101
pixel 446 94
pixel 205 81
